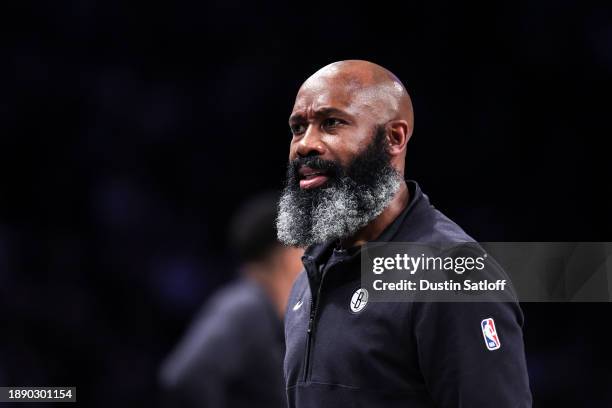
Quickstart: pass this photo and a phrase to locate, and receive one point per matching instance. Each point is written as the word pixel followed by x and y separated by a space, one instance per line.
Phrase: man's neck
pixel 373 230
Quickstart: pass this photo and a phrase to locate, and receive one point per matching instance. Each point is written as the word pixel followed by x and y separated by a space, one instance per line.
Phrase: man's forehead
pixel 376 101
pixel 317 94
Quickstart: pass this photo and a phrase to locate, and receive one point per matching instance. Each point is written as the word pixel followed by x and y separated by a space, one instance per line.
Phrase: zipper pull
pixel 310 322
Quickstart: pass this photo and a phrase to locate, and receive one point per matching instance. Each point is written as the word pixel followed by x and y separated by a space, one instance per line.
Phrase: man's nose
pixel 311 144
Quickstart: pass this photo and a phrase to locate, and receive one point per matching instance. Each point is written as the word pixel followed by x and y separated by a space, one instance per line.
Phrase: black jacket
pixel 397 354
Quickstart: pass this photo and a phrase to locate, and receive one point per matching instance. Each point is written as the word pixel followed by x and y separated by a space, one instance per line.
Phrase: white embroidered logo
pixel 359 300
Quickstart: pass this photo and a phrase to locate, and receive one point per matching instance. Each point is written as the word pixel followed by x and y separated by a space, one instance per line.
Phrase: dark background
pixel 130 132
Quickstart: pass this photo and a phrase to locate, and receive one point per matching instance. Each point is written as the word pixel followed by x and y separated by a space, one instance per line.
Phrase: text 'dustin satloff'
pixel 448 285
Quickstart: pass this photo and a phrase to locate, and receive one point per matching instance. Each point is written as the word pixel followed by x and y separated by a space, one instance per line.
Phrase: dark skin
pixel 334 116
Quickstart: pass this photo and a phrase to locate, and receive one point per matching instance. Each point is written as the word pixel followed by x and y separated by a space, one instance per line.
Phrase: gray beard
pixel 336 212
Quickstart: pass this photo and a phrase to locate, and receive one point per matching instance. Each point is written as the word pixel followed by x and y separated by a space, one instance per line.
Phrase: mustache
pixel 330 167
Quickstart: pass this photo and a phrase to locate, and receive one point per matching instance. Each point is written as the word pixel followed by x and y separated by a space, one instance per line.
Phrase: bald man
pixel 351 122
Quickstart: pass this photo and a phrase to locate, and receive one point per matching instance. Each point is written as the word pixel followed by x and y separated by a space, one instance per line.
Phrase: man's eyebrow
pixel 296 117
pixel 326 111
pixel 331 111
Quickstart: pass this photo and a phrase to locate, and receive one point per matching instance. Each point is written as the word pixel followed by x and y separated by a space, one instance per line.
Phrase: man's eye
pixel 332 122
pixel 298 129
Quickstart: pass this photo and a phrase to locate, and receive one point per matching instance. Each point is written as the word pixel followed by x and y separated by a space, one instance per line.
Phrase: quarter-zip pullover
pixel 397 354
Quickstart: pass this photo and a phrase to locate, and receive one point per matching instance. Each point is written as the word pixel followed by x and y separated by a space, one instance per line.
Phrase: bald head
pixel 355 97
pixel 350 122
pixel 369 84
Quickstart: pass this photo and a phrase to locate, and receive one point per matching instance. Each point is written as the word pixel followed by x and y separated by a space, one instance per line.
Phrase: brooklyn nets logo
pixel 359 300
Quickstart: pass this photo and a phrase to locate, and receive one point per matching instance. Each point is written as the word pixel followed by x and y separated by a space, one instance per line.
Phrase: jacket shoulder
pixel 447 230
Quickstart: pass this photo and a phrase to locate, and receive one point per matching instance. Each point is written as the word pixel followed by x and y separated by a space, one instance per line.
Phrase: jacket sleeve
pixel 458 368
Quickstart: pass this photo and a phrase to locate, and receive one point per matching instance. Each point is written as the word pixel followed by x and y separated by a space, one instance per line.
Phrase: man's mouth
pixel 311 178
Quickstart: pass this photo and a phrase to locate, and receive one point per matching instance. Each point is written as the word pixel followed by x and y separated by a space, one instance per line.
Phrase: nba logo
pixel 490 334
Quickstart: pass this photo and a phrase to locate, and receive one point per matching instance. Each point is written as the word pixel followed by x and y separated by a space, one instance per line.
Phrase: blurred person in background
pixel 232 355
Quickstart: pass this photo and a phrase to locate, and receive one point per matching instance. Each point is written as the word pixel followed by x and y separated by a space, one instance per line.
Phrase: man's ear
pixel 398 134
